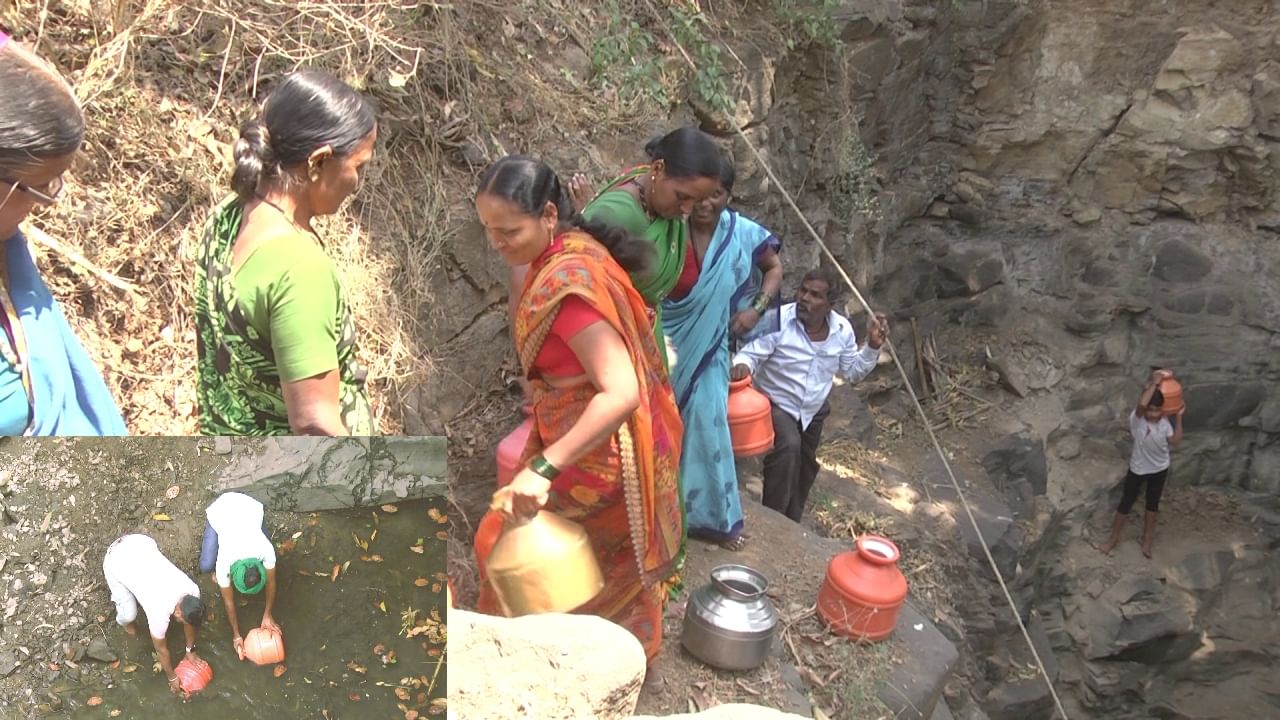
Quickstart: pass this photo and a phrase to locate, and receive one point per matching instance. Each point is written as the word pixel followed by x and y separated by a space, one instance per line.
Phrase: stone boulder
pixel 1140 619
pixel 549 667
pixel 1019 467
pixel 734 711
pixel 299 475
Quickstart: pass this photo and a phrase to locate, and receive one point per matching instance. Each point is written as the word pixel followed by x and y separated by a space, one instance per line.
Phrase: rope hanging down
pixel 964 502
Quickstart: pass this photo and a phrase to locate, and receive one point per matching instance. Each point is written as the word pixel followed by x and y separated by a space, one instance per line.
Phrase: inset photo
pixel 223 578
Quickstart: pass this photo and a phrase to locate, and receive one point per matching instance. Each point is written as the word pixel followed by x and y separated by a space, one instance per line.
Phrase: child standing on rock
pixel 1153 435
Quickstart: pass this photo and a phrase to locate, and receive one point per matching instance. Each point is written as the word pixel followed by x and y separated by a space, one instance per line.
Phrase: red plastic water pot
pixel 864 590
pixel 750 419
pixel 264 647
pixel 193 676
pixel 1171 389
pixel 512 447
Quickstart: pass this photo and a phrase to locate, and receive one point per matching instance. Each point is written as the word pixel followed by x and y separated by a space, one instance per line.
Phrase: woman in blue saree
pixel 48 383
pixel 729 281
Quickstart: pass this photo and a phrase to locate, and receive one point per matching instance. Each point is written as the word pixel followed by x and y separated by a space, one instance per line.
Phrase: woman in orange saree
pixel 605 449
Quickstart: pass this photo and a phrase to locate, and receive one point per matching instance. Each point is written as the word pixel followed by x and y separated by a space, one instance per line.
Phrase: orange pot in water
pixel 264 647
pixel 864 590
pixel 193 676
pixel 750 419
pixel 512 447
pixel 1172 391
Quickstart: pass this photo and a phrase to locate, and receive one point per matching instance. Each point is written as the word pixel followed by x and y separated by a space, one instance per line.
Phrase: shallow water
pixel 330 630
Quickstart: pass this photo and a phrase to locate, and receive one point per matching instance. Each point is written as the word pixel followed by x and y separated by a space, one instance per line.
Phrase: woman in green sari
pixel 275 338
pixel 653 201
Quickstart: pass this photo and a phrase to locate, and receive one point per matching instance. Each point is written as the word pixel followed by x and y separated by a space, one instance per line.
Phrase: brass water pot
pixel 543 565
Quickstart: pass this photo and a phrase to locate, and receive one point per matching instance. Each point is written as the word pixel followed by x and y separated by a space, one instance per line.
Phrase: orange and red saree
pixel 625 492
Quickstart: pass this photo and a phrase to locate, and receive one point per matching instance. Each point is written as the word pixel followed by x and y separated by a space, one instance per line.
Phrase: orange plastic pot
pixel 487 534
pixel 512 447
pixel 750 419
pixel 193 676
pixel 264 647
pixel 864 590
pixel 1172 391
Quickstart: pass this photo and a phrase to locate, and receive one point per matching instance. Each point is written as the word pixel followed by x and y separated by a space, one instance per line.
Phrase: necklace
pixel 644 198
pixel 310 231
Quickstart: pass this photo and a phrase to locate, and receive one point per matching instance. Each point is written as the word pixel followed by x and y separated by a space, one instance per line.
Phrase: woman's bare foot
pixel 736 544
pixel 580 191
pixel 1146 547
pixel 1107 547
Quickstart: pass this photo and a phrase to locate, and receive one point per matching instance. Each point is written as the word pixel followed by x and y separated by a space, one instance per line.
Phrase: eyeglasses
pixel 46 194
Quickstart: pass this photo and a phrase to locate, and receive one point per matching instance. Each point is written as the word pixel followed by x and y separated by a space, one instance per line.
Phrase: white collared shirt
pixel 795 372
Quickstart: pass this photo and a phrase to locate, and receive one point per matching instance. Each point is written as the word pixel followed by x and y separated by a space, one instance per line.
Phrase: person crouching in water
pixel 139 574
pixel 239 553
pixel 1153 435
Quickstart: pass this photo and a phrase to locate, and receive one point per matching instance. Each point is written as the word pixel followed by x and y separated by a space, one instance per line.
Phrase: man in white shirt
pixel 237 549
pixel 795 367
pixel 139 574
pixel 1153 435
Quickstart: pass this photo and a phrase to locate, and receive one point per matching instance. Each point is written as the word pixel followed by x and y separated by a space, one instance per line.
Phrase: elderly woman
pixel 48 384
pixel 731 276
pixel 606 443
pixel 276 342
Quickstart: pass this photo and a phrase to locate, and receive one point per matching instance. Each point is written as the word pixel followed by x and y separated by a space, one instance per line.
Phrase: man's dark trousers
pixel 792 465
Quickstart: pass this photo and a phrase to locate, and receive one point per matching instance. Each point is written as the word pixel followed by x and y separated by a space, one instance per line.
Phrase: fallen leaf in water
pixel 402 693
pixel 130 668
pixel 286 547
pixel 296 535
pixel 422 698
pixel 438 706
pixel 416 548
pixel 93 701
pixel 435 514
pixel 172 492
pixel 362 544
pixel 434 652
pixel 435 588
pixel 114 713
pixel 336 569
pixel 422 582
pixel 379 649
pixel 115 665
pixel 373 535
pixel 390 508
pixel 442 535
pixel 410 715
pixel 374 558
pixel 280 670
pixel 355 697
pixel 383 607
pixel 346 565
pixel 357 667
pixel 161 517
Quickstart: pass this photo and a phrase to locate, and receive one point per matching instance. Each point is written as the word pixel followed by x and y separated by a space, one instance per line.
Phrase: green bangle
pixel 540 466
pixel 761 303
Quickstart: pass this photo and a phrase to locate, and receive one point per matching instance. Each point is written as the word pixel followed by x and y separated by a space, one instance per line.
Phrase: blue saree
pixel 71 397
pixel 698 327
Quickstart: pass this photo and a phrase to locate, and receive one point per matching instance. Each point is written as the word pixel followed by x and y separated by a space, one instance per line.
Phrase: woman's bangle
pixel 761 303
pixel 540 466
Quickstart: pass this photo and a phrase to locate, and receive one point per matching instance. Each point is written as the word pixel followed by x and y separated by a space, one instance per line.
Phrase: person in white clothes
pixel 241 556
pixel 794 367
pixel 1153 435
pixel 139 574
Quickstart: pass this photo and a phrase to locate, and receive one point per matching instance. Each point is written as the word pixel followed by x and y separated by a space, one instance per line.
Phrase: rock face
pixel 550 667
pixel 298 475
